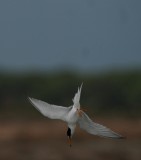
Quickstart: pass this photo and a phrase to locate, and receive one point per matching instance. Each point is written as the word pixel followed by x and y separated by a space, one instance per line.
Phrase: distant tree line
pixel 104 93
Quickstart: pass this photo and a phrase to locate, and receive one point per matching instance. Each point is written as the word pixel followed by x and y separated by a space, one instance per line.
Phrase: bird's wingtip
pixel 118 136
pixel 29 99
pixel 122 137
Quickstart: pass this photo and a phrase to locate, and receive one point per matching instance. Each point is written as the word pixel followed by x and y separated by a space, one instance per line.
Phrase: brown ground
pixel 46 140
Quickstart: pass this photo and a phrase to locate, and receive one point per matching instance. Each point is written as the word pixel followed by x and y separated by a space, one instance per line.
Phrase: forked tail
pixel 76 98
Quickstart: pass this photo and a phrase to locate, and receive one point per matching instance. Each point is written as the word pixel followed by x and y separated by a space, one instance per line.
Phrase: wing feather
pixel 50 110
pixel 96 129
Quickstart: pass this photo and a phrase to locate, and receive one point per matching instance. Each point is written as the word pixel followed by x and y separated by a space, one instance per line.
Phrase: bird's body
pixel 73 115
pixel 72 119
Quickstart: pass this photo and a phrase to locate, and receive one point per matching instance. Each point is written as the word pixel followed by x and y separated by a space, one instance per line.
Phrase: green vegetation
pixel 104 93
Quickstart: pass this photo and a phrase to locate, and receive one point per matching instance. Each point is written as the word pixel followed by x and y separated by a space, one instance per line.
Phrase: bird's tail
pixel 76 98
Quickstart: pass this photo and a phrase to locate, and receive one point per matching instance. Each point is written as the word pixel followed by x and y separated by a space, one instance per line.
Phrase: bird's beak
pixel 69 141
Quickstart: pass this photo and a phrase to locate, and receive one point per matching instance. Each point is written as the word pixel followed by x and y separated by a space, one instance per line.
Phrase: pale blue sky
pixel 86 35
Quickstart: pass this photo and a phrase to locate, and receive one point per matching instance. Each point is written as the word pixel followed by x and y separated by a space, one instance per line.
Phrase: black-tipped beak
pixel 69 141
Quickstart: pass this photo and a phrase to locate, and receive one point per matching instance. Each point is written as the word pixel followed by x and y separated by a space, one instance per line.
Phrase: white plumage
pixel 76 98
pixel 73 115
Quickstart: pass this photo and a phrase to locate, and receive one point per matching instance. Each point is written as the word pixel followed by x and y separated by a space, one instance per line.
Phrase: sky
pixel 83 35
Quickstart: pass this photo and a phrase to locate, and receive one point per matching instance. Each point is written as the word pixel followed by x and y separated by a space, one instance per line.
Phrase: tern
pixel 73 116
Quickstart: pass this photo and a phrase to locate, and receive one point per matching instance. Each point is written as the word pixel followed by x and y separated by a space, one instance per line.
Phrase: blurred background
pixel 47 49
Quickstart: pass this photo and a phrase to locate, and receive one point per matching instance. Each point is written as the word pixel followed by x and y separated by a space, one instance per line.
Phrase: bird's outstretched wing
pixel 49 110
pixel 94 128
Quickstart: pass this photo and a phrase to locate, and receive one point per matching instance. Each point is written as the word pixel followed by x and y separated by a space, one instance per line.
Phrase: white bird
pixel 73 115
